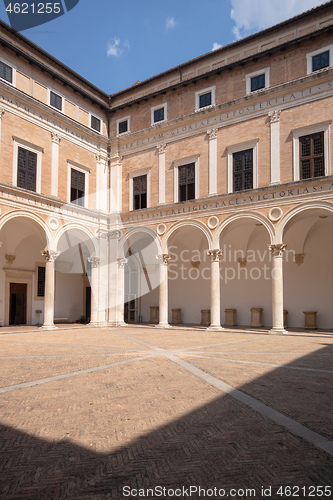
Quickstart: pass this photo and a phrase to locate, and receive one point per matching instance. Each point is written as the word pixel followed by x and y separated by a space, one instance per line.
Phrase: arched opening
pixel 308 272
pixel 73 296
pixel 22 271
pixel 188 274
pixel 245 270
pixel 140 249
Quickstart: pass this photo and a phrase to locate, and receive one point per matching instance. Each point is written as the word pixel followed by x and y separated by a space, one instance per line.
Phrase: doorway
pixel 18 304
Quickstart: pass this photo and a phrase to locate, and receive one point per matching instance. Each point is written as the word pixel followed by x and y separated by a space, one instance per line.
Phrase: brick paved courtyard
pixel 108 413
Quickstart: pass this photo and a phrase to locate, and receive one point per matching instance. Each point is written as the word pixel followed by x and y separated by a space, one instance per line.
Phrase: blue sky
pixel 113 44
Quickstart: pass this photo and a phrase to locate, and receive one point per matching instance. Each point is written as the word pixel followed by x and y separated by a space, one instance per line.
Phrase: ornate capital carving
pixel 98 157
pixel 278 249
pixel 212 134
pixel 50 255
pixel 2 112
pixel 161 149
pixel 274 116
pixel 215 254
pixel 115 159
pixel 299 258
pixel 94 261
pixel 163 259
pixel 122 263
pixel 115 235
pixel 10 258
pixel 55 138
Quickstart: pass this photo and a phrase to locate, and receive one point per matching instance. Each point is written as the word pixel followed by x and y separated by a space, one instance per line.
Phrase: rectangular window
pixel 243 170
pixel 55 100
pixel 40 281
pixel 158 115
pixel 205 100
pixel 186 182
pixel 123 127
pixel 26 169
pixel 95 123
pixel 258 82
pixel 320 61
pixel 77 187
pixel 6 72
pixel 140 192
pixel 312 155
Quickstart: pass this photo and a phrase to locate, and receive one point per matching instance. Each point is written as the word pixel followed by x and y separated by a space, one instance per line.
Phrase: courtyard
pixel 113 413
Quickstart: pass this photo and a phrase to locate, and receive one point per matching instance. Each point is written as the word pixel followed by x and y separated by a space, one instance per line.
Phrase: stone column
pixel 212 183
pixel 274 118
pixel 163 291
pixel 101 182
pixel 161 174
pixel 94 284
pixel 2 112
pixel 121 292
pixel 55 163
pixel 277 288
pixel 50 257
pixel 215 306
pixel 115 201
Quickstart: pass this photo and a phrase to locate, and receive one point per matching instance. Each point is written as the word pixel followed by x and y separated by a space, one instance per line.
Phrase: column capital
pixel 122 263
pixel 163 258
pixel 277 249
pixel 161 149
pixel 115 159
pixel 50 255
pixel 274 116
pixel 55 138
pixel 215 254
pixel 10 259
pixel 2 112
pixel 94 261
pixel 212 133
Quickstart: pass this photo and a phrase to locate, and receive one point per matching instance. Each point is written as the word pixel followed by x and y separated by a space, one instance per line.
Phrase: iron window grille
pixel 312 155
pixel 77 187
pixel 123 127
pixel 56 100
pixel 6 72
pixel 158 115
pixel 320 61
pixel 26 169
pixel 186 180
pixel 243 170
pixel 205 100
pixel 258 82
pixel 140 192
pixel 95 123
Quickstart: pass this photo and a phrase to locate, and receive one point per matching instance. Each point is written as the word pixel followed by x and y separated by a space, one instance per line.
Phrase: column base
pixel 49 327
pixel 215 328
pixel 163 325
pixel 117 323
pixel 277 330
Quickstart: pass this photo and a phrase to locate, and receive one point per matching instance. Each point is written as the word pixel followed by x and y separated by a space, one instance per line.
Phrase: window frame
pixel 154 108
pixel 18 142
pixel 180 163
pixel 202 92
pixel 85 170
pixel 37 265
pixel 138 173
pixel 310 55
pixel 49 90
pixel 249 76
pixel 309 130
pixel 237 148
pixel 120 120
pixel 91 115
pixel 7 63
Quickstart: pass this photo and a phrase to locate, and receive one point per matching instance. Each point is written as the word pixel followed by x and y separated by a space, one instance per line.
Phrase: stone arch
pixel 294 212
pixel 77 228
pixel 244 215
pixel 199 225
pixel 33 217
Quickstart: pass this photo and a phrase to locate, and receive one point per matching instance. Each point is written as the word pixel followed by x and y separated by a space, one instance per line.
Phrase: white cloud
pixel 116 47
pixel 254 15
pixel 170 23
pixel 216 46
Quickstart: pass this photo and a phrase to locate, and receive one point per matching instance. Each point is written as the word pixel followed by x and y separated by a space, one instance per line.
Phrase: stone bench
pixel 256 317
pixel 230 317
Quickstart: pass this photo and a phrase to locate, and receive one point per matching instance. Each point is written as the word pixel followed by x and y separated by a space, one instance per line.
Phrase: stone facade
pixel 201 196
